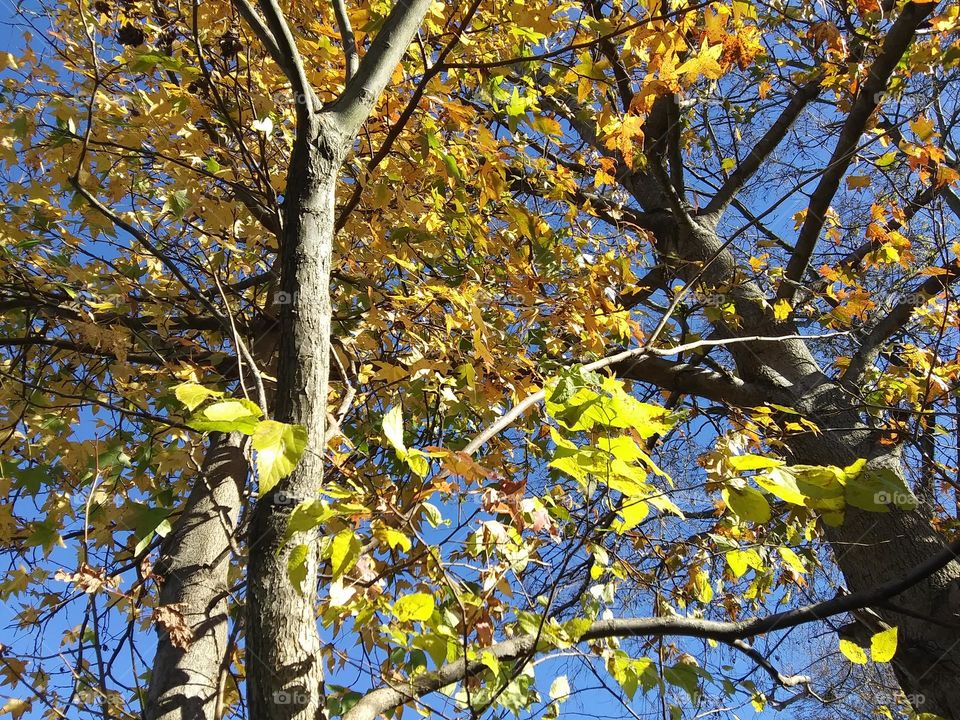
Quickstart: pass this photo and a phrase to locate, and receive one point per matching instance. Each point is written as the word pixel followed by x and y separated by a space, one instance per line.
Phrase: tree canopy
pixel 478 359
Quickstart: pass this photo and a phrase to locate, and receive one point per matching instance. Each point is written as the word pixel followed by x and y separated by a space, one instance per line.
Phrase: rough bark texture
pixel 194 562
pixel 870 547
pixel 284 674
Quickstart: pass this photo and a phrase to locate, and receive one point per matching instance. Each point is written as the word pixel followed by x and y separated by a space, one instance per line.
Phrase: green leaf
pixel 883 645
pixel 683 676
pixel 234 415
pixel 297 566
pixel 177 203
pixel 344 552
pixel 193 395
pixel 393 429
pixel 147 522
pixel 279 448
pixel 747 504
pixel 418 606
pixel 853 652
pixel 308 515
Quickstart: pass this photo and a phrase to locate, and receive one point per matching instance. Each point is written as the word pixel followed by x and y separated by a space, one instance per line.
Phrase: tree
pixel 574 324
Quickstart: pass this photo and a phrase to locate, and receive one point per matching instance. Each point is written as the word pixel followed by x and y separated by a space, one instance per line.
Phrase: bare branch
pixel 351 58
pixel 249 13
pixel 895 44
pixel 766 145
pixel 305 99
pixel 386 51
pixel 385 699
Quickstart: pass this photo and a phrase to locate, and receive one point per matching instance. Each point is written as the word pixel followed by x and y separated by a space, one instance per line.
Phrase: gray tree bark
pixel 186 683
pixel 285 677
pixel 869 547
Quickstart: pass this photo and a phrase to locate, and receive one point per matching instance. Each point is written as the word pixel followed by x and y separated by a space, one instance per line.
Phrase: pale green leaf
pixel 753 462
pixel 792 560
pixel 234 415
pixel 632 513
pixel 747 504
pixel 308 515
pixel 192 395
pixel 559 688
pixel 279 448
pixel 418 606
pixel 394 538
pixel 344 552
pixel 297 566
pixel 393 429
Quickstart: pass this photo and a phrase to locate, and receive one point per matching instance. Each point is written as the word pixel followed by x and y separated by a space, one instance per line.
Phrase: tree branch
pixel 351 59
pixel 895 44
pixel 386 51
pixel 292 64
pixel 897 319
pixel 248 13
pixel 766 145
pixel 385 699
pixel 646 358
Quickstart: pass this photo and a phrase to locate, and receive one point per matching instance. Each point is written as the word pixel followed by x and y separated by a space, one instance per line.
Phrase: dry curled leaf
pixel 171 619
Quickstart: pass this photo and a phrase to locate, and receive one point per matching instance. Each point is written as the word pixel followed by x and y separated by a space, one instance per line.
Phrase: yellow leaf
pixel 883 645
pixel 548 126
pixel 853 652
pixel 781 309
pixel 922 127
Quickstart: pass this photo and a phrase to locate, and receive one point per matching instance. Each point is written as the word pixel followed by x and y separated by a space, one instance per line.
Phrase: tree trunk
pixel 870 547
pixel 185 684
pixel 284 673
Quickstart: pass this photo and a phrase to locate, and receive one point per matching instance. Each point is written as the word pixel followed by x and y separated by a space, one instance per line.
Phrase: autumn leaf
pixel 415 607
pixel 279 448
